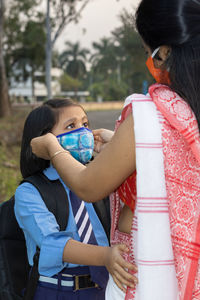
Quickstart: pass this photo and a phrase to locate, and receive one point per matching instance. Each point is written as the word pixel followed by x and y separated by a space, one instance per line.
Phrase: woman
pixel 158 137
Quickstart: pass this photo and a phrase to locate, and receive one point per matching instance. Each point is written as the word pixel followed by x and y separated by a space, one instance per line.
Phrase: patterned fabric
pixel 127 190
pixel 181 148
pixel 79 142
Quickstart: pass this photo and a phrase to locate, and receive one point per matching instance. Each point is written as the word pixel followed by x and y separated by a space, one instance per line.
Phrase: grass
pixel 9 171
pixel 10 139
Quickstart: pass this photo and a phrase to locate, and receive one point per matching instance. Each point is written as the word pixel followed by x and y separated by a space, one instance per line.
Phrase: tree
pixel 106 78
pixel 18 14
pixel 118 63
pixel 68 83
pixel 109 90
pixel 4 98
pixel 133 69
pixel 73 59
pixel 30 55
pixel 22 30
pixel 103 60
pixel 63 13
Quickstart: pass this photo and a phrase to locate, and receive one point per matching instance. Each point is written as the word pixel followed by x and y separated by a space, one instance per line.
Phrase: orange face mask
pixel 161 76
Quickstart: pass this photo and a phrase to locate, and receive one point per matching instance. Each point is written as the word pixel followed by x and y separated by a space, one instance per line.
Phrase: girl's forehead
pixel 72 111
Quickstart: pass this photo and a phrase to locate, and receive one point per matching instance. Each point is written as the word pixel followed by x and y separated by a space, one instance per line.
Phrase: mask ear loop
pixel 155 52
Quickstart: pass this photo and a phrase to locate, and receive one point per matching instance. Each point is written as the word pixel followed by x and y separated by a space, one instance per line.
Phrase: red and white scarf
pixel 166 225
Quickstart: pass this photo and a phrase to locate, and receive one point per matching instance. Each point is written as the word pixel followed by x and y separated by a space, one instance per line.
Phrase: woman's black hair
pixel 41 120
pixel 175 23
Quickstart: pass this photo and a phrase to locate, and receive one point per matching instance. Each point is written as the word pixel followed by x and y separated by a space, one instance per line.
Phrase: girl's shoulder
pixel 25 187
pixel 26 190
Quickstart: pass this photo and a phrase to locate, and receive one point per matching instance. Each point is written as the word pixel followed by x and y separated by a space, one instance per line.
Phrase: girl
pixel 157 210
pixel 63 253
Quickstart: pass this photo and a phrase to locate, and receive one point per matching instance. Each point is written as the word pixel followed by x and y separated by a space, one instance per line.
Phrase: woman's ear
pixel 163 54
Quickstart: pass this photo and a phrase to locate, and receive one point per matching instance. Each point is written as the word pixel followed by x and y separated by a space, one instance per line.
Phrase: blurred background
pixel 87 50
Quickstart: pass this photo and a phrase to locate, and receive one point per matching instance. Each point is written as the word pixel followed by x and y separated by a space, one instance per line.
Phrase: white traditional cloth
pixel 151 237
pixel 152 241
pixel 113 292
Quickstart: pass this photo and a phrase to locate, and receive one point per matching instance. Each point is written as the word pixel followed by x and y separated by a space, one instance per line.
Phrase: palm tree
pixel 66 11
pixel 73 59
pixel 103 60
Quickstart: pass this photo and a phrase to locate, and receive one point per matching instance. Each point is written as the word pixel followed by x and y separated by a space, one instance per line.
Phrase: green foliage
pixel 117 63
pixel 10 141
pixel 30 55
pixel 24 39
pixel 109 90
pixel 68 83
pixel 9 171
pixel 121 61
pixel 24 7
pixel 73 59
pixel 131 44
pixel 104 59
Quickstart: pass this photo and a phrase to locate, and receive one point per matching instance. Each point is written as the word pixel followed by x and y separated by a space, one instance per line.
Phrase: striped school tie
pixel 82 220
pixel 98 274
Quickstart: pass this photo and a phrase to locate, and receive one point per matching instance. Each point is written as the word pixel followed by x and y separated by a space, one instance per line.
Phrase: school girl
pixel 65 256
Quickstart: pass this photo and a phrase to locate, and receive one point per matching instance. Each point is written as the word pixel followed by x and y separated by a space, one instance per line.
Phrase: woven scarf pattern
pixel 180 145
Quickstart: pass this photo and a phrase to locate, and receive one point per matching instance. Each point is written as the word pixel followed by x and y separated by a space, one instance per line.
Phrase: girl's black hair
pixel 40 121
pixel 175 23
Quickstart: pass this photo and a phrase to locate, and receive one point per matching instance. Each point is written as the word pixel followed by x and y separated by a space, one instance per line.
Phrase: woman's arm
pixel 104 174
pixel 110 257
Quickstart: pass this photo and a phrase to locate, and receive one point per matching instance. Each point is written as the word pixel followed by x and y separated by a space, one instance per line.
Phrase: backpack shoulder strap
pixel 102 209
pixel 54 196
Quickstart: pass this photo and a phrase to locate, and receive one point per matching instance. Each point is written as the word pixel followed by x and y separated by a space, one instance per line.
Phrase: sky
pixel 98 20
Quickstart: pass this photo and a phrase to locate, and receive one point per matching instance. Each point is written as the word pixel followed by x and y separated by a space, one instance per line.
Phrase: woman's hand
pixel 118 267
pixel 45 146
pixel 101 138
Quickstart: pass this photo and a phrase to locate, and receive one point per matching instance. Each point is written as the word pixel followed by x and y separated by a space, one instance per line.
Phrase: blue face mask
pixel 79 142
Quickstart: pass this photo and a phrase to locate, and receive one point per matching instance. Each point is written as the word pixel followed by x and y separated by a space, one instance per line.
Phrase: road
pixel 103 119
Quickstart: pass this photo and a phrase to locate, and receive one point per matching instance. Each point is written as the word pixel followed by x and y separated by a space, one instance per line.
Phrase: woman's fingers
pixel 97 131
pixel 103 135
pixel 97 134
pixel 98 146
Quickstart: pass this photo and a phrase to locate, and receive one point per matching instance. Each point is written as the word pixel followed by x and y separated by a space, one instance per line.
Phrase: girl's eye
pixel 70 126
pixel 85 124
